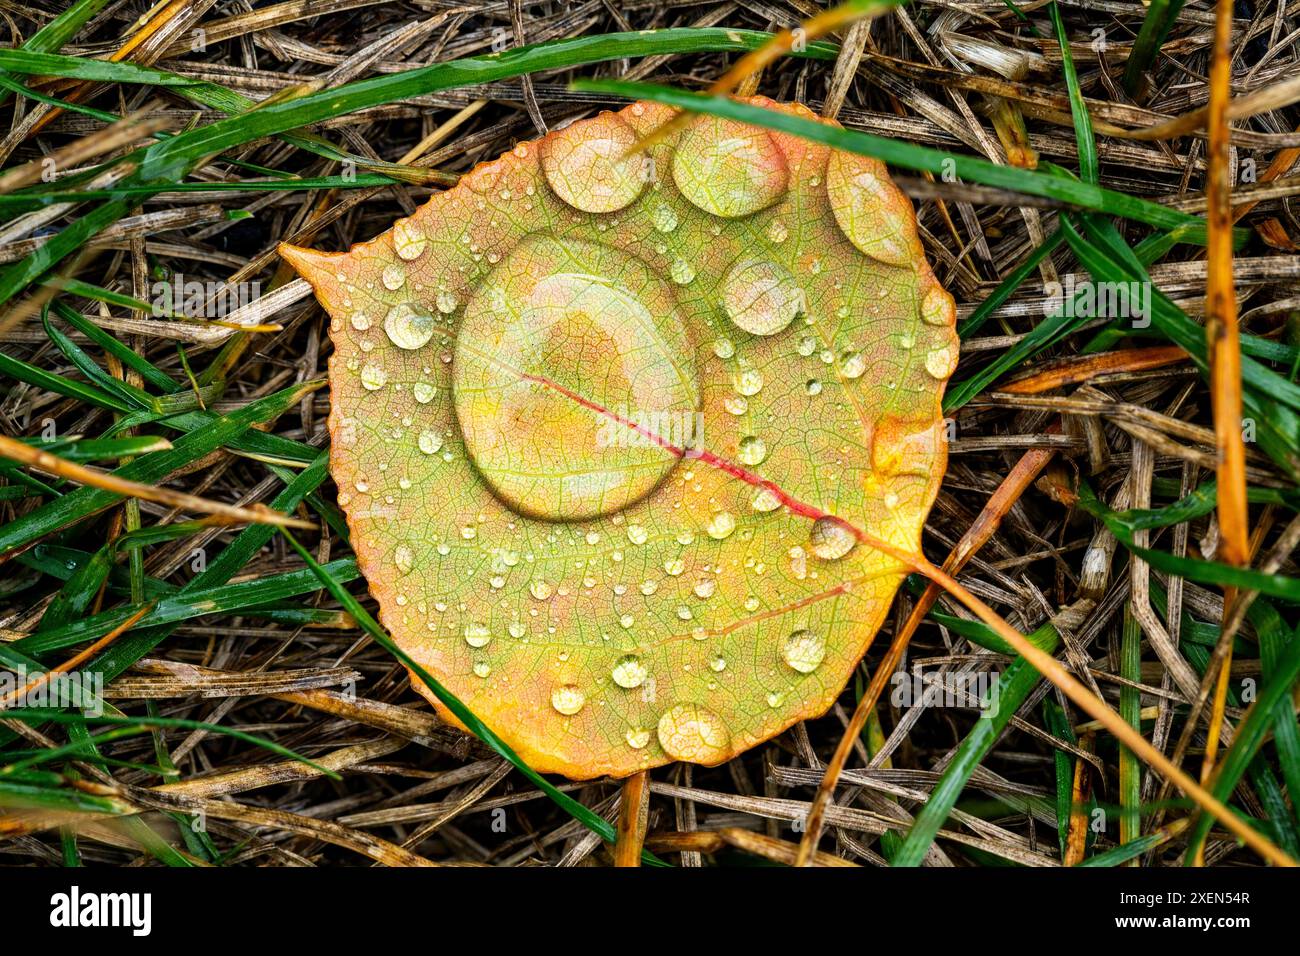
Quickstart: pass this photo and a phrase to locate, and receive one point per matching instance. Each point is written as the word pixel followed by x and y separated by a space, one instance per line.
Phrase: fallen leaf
pixel 605 425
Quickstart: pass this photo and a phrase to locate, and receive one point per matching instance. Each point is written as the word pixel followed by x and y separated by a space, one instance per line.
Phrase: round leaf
pixel 607 425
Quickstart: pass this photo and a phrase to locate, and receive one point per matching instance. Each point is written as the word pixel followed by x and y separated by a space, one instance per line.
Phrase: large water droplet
pixel 830 539
pixel 549 393
pixel 408 326
pixel 693 733
pixel 761 296
pixel 589 166
pixel 804 651
pixel 727 168
pixel 852 365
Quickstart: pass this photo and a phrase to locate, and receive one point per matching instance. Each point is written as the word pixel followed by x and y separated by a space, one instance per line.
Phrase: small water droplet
pixel 423 392
pixel 761 297
pixel 430 442
pixel 682 272
pixel 721 525
pixel 482 669
pixel 446 302
pixel 748 382
pixel 373 377
pixel 852 364
pixel 540 590
pixel 766 500
pixel 404 558
pixel 804 651
pixel 360 321
pixel 408 326
pixel 637 534
pixel 629 672
pixel 637 739
pixel 718 664
pixel 753 450
pixel 664 218
pixel 567 699
pixel 723 348
pixel 393 276
pixel 477 635
pixel 830 539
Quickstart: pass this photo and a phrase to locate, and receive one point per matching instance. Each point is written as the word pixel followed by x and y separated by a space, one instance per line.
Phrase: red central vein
pixel 796 505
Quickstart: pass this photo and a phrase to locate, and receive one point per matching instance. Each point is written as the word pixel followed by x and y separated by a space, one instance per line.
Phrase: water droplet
pixel 373 377
pixel 937 307
pixel 798 562
pixel 761 297
pixel 748 382
pixel 393 276
pixel 540 589
pixel 482 669
pixel 674 567
pixel 637 534
pixel 718 664
pixel 404 558
pixel 423 392
pixel 939 362
pixel 360 321
pixel 589 166
pixel 636 739
pixel 830 539
pixel 777 231
pixel 567 699
pixel 408 241
pixel 682 272
pixel 664 218
pixel 728 168
pixel 813 386
pixel 477 635
pixel 721 525
pixel 629 672
pixel 753 450
pixel 736 404
pixel 804 651
pixel 446 302
pixel 723 348
pixel 430 442
pixel 852 365
pixel 872 213
pixel 408 326
pixel 704 589
pixel 766 500
pixel 693 733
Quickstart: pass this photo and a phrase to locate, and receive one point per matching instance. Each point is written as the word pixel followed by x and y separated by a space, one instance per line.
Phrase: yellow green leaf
pixel 607 428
